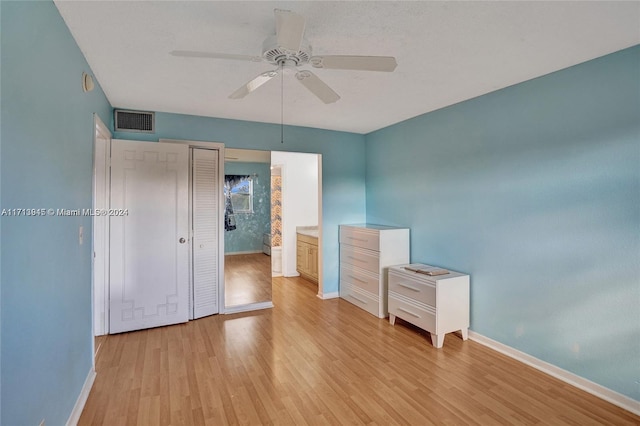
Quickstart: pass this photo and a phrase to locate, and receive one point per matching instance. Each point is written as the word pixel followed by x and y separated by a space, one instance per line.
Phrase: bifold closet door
pixel 206 231
pixel 149 251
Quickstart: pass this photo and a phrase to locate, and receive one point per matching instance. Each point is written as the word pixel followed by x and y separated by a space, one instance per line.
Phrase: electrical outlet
pixel 81 234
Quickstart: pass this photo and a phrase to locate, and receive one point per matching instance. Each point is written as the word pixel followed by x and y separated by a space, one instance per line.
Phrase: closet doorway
pixel 158 258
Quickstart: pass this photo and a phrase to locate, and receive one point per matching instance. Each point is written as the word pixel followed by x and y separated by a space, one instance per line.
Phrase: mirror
pixel 247 239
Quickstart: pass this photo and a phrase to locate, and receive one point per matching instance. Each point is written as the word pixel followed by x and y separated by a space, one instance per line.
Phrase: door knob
pixel 182 240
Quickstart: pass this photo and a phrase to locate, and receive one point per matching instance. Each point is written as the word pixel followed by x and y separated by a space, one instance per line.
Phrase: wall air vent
pixel 135 121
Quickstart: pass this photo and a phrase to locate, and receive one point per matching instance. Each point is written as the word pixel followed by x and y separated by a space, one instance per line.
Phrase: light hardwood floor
pixel 309 361
pixel 98 341
pixel 247 279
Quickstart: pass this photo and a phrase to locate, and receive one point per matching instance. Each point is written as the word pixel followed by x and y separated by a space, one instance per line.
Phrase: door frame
pixel 100 288
pixel 321 294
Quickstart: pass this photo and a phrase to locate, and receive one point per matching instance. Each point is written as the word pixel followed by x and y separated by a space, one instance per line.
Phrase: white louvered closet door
pixel 206 232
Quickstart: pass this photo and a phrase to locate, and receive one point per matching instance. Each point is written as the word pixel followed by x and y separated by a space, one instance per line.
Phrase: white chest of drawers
pixel 438 304
pixel 366 252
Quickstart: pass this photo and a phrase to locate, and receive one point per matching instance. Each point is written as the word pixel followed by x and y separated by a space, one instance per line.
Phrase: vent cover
pixel 135 121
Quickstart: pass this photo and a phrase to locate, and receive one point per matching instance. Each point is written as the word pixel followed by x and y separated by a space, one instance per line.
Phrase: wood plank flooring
pixel 314 362
pixel 247 279
pixel 98 341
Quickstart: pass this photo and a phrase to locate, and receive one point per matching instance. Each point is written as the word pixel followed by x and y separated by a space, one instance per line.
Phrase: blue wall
pixel 251 227
pixel 534 190
pixel 47 156
pixel 343 165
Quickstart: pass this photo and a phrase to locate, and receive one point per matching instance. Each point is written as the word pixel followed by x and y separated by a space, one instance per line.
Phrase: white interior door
pixel 149 251
pixel 206 232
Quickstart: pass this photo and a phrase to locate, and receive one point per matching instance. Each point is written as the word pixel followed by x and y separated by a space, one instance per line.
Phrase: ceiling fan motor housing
pixel 276 55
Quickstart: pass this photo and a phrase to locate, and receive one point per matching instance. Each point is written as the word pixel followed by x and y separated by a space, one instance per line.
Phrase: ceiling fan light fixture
pixel 273 53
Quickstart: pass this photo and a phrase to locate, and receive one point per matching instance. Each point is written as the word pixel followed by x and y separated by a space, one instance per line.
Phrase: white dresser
pixel 366 252
pixel 438 304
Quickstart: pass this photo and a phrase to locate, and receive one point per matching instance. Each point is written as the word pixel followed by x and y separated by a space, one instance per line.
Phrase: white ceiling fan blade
pixel 289 29
pixel 192 54
pixel 361 63
pixel 317 87
pixel 253 84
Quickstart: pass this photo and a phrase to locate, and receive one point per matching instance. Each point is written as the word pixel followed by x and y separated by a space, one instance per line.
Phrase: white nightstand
pixel 438 304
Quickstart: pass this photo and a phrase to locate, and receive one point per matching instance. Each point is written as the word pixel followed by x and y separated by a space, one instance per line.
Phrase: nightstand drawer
pixel 365 259
pixel 418 316
pixel 412 288
pixel 360 238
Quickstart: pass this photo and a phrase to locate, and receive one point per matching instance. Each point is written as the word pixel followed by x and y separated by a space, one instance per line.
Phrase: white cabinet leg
pixel 392 319
pixel 465 333
pixel 437 340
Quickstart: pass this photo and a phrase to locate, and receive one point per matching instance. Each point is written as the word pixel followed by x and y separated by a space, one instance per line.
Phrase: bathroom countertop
pixel 311 231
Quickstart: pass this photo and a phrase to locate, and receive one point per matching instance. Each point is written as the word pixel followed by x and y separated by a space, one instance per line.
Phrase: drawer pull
pixel 409 287
pixel 357 239
pixel 356 259
pixel 409 312
pixel 358 299
pixel 357 279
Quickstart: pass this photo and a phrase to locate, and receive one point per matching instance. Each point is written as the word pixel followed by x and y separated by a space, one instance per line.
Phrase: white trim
pixel 595 389
pixel 197 144
pixel 100 130
pixel 321 239
pixel 82 398
pixel 248 307
pixel 325 296
pixel 221 247
pixel 284 218
pixel 245 252
pixel 190 237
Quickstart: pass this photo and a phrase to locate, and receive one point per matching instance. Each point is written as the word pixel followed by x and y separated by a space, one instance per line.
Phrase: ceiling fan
pixel 288 50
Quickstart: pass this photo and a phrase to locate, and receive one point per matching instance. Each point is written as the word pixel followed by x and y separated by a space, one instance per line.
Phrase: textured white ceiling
pixel 447 52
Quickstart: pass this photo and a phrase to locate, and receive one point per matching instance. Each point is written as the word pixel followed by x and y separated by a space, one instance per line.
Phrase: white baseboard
pixel 82 398
pixel 595 389
pixel 249 307
pixel 325 296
